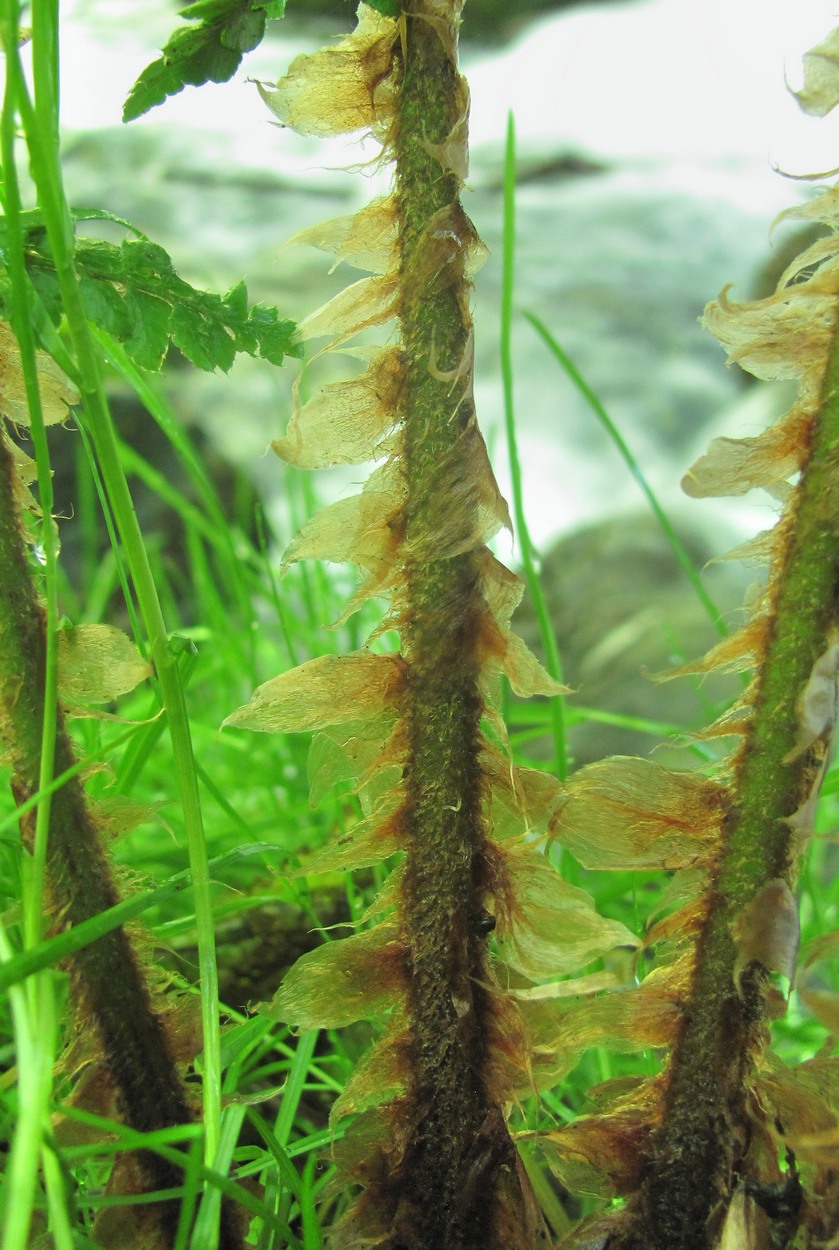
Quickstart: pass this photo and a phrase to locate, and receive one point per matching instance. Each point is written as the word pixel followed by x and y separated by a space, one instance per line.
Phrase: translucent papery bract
pixel 522 800
pixel 55 388
pixel 368 302
pixel 604 1156
pixel 364 529
pixel 345 422
pixel 326 691
pixel 472 509
pixel 342 981
pixel 735 653
pixel 784 336
pixel 805 1098
pixel 499 647
pixel 341 88
pixel 97 663
pixel 367 239
pixel 734 466
pixel 352 752
pixel 546 927
pixel 368 842
pixel 625 1020
pixel 820 92
pixel 625 813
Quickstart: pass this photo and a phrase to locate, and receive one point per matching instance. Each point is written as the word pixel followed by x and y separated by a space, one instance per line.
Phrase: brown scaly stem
pixel 702 1148
pixel 441 605
pixel 108 987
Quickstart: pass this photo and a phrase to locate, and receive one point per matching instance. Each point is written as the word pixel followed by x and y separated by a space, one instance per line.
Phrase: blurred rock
pixel 622 610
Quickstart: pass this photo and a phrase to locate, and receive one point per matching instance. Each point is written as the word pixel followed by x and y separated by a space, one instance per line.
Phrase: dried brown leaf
pixel 330 690
pixel 353 978
pixel 98 663
pixel 628 813
pixel 820 92
pixel 344 422
pixel 342 87
pixel 367 239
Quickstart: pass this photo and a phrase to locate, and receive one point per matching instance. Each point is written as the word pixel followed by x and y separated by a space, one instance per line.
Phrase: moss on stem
pixel 702 1150
pixel 444 1173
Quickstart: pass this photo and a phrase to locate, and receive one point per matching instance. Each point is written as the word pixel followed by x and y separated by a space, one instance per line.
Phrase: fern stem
pixel 442 605
pixel 701 1147
pixel 105 975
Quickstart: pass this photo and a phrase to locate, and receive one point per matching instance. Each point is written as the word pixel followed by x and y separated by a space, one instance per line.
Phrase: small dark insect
pixel 485 923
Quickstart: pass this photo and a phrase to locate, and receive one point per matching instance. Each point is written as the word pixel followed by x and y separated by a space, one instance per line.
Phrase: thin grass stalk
pixel 673 541
pixel 40 128
pixel 547 636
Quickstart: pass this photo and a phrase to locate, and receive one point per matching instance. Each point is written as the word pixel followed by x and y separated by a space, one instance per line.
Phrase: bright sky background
pixel 682 79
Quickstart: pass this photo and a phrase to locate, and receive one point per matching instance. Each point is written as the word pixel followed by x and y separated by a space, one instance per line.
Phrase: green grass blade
pixel 675 543
pixel 528 554
pixel 17 967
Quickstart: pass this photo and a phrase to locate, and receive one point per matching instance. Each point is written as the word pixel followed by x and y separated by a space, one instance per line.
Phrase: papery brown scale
pixel 545 926
pixel 367 842
pixel 367 239
pixel 684 922
pixel 820 92
pixel 624 1020
pixel 508 1045
pixel 326 691
pixel 342 981
pixel 471 507
pixel 364 529
pixel 453 153
pixel 449 241
pixel 785 336
pixel 380 1076
pixel 821 256
pixel 601 1156
pixel 368 302
pixel 625 813
pixel 734 722
pixel 757 550
pixel 501 650
pixel 345 422
pixel 521 800
pixel 804 1099
pixel 739 651
pixel 341 88
pixel 733 466
pixel 823 207
pixel 767 932
pixel 368 752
